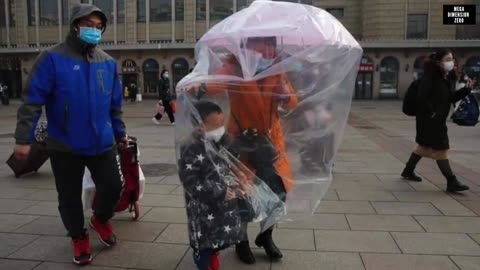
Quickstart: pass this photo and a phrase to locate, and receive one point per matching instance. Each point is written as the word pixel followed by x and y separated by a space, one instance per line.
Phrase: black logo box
pixel 459 14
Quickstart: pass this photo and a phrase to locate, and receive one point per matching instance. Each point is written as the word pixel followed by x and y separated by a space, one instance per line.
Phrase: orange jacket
pixel 254 104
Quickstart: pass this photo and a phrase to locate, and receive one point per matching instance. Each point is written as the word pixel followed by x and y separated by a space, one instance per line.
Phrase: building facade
pixel 146 36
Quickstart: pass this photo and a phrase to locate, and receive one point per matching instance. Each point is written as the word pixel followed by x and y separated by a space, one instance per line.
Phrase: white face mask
pixel 448 66
pixel 216 134
pixel 165 75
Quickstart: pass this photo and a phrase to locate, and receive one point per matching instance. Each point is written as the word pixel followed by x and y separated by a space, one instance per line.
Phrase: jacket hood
pixel 83 10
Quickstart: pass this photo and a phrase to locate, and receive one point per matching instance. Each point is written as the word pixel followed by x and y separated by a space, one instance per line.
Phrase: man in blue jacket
pixel 80 89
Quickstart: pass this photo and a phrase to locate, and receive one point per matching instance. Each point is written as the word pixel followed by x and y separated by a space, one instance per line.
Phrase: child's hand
pixel 230 195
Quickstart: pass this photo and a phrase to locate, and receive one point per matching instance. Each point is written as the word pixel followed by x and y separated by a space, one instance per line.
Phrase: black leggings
pixel 68 170
pixel 168 111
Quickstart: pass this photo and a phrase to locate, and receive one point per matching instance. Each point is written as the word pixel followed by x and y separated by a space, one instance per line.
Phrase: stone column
pixel 190 21
pixel 131 21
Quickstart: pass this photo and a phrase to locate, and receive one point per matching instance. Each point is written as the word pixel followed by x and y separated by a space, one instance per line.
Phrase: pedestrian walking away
pixel 165 99
pixel 436 94
pixel 79 86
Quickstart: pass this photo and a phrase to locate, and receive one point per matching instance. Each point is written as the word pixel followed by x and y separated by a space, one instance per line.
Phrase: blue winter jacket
pixel 81 91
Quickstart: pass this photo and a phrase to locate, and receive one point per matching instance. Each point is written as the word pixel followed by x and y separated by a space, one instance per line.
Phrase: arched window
pixel 179 70
pixel 151 70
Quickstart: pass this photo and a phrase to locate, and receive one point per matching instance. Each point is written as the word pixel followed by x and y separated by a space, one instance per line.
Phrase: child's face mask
pixel 215 135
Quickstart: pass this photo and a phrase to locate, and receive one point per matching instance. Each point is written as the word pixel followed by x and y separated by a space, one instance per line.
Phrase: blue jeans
pixel 202 258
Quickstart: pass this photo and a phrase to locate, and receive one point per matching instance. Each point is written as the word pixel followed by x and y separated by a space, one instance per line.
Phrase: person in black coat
pixel 165 99
pixel 436 95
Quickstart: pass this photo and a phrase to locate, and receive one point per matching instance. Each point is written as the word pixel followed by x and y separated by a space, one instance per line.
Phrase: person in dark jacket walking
pixel 133 91
pixel 436 95
pixel 211 192
pixel 79 86
pixel 165 99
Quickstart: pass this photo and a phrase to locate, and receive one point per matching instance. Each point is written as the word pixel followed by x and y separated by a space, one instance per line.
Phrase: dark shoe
pixel 453 185
pixel 244 252
pixel 82 254
pixel 410 174
pixel 265 240
pixel 104 231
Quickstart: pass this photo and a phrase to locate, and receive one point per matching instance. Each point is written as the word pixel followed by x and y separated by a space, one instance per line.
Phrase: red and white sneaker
pixel 104 231
pixel 82 254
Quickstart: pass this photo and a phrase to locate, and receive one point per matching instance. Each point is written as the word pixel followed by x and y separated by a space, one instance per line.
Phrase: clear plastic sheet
pixel 283 75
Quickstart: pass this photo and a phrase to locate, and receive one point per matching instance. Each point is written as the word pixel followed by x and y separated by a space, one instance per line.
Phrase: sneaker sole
pixel 84 262
pixel 98 235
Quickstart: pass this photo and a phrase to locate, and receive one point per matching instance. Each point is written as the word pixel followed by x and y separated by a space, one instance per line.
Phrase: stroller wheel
pixel 136 211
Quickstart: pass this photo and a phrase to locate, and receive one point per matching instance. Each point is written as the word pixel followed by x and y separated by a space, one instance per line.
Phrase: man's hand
pixel 230 195
pixel 470 83
pixel 22 151
pixel 123 141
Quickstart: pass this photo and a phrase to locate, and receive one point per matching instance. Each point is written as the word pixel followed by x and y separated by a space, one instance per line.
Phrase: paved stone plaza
pixel 370 219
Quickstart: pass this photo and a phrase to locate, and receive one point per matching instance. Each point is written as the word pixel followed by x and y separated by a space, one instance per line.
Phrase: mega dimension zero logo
pixel 459 14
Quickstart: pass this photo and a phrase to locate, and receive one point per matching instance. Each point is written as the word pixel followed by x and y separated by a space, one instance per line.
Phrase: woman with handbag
pixel 165 101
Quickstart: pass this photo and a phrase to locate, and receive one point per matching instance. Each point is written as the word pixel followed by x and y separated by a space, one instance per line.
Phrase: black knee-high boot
pixel 265 240
pixel 453 185
pixel 409 171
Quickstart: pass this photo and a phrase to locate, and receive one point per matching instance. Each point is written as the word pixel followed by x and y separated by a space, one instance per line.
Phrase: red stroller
pixel 131 177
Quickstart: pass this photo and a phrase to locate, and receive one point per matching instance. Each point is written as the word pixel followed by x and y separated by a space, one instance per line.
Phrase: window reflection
pixel 179 10
pixel 48 11
pixel 241 4
pixel 120 11
pixel 107 7
pixel 141 14
pixel 160 11
pixel 220 9
pixel 201 9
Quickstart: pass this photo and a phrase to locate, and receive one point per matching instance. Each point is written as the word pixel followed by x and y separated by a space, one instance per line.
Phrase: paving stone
pixel 10 222
pixel 154 180
pixel 420 196
pixel 450 207
pixel 437 243
pixel 159 189
pixel 71 266
pixel 410 262
pixel 357 241
pixel 476 237
pixel 467 263
pixel 142 255
pixel 17 265
pixel 174 234
pixel 166 215
pixel 51 248
pixel 473 206
pixel 316 221
pixel 405 208
pixel 11 206
pixel 138 231
pixel 294 239
pixel 44 226
pixel 178 191
pixel 361 178
pixel 331 195
pixel 423 186
pixel 376 185
pixel 15 193
pixel 383 223
pixel 364 195
pixel 318 260
pixel 12 242
pixel 170 180
pixel 163 200
pixel 43 195
pixel 450 224
pixel 348 207
pixel 42 209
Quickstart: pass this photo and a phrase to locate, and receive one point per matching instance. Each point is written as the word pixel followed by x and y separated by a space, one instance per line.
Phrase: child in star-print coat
pixel 212 193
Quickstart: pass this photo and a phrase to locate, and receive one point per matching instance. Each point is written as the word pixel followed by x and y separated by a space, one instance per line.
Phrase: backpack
pixel 409 106
pixel 467 112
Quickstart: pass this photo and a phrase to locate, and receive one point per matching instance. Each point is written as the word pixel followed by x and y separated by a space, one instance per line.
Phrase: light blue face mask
pixel 90 35
pixel 263 64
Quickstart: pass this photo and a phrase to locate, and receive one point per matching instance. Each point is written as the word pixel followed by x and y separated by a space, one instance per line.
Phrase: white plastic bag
pixel 88 192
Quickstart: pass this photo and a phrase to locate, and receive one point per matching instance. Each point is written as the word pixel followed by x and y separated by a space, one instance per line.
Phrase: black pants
pixel 168 111
pixel 68 170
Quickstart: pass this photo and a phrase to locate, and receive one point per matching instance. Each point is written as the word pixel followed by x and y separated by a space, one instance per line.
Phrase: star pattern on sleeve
pixel 218 168
pixel 227 228
pixel 215 246
pixel 210 217
pixel 199 187
pixel 200 157
pixel 189 167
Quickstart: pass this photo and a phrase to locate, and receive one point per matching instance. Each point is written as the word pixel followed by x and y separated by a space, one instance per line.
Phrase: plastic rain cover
pixel 261 116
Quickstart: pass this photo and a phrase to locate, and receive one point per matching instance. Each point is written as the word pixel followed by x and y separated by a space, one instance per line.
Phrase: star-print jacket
pixel 213 222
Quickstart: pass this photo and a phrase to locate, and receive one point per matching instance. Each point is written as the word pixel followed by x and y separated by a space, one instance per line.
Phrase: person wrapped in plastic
pixel 246 63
